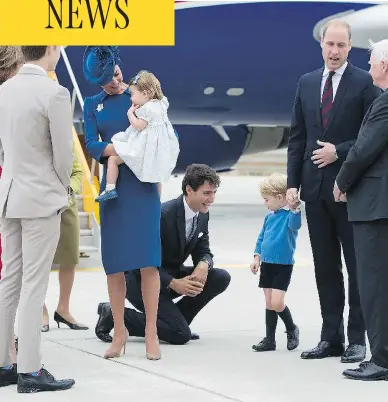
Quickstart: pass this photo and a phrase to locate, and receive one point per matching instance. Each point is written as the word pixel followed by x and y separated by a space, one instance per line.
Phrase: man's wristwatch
pixel 207 260
pixel 335 154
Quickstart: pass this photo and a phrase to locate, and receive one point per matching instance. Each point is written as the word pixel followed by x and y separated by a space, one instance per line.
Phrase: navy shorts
pixel 275 276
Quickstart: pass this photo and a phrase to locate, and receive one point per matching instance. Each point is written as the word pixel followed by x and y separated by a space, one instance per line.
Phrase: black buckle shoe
pixel 293 338
pixel 354 354
pixel 265 345
pixel 44 381
pixel 8 376
pixel 105 323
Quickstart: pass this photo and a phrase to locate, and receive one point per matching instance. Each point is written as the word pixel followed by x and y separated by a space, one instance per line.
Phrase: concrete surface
pixel 221 366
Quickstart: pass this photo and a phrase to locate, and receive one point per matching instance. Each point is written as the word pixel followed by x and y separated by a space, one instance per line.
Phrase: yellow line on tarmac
pixel 300 264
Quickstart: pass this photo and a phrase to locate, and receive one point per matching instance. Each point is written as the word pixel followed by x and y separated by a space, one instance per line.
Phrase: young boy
pixel 274 254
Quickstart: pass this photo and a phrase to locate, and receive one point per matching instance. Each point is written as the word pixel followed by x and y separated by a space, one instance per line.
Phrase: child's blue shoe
pixel 107 195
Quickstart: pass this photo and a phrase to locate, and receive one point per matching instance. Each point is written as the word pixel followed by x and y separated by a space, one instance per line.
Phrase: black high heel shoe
pixel 59 319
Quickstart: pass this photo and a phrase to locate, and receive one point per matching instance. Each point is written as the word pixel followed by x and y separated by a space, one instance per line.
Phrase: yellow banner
pixel 87 22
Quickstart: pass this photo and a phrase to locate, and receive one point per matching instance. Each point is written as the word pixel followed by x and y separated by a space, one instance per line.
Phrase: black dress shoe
pixel 265 345
pixel 367 371
pixel 71 325
pixel 45 328
pixel 105 322
pixel 293 338
pixel 194 336
pixel 8 377
pixel 354 354
pixel 324 349
pixel 45 381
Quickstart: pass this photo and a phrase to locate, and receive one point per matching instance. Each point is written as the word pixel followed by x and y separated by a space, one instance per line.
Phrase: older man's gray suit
pixel 36 156
pixel 364 179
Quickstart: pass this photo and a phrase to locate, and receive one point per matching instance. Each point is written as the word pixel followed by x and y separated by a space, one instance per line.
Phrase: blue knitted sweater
pixel 277 239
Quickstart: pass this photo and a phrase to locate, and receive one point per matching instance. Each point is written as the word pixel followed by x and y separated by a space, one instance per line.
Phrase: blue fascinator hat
pixel 99 63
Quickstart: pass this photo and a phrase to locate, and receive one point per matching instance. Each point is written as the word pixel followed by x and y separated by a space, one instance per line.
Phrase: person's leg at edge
pixel 150 287
pixel 45 319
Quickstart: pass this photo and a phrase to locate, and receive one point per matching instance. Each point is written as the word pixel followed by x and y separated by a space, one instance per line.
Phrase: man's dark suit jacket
pixel 173 237
pixel 364 174
pixel 354 95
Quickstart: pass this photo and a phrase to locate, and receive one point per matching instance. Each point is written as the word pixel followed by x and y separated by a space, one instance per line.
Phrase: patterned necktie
pixel 327 99
pixel 193 227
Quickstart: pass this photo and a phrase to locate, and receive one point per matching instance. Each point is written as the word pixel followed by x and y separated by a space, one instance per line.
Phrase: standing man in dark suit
pixel 184 232
pixel 329 107
pixel 364 179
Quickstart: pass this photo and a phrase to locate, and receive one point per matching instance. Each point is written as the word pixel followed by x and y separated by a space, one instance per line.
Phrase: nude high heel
pixel 112 354
pixel 154 356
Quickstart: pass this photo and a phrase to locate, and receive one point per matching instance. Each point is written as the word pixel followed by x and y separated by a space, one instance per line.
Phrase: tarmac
pixel 221 365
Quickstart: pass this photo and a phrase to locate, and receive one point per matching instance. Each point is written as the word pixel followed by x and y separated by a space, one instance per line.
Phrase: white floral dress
pixel 151 153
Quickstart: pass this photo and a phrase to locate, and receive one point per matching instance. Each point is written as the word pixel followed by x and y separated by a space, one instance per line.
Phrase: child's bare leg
pixel 111 177
pixel 113 171
pixel 277 302
pixel 271 320
pixel 271 317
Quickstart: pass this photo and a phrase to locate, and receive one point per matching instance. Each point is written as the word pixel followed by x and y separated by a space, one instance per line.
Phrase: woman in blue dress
pixel 130 224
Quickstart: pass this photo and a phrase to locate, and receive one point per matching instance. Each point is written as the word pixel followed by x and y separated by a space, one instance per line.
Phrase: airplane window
pixel 235 91
pixel 208 90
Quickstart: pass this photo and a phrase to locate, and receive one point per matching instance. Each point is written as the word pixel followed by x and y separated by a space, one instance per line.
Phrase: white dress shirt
pixel 189 215
pixel 336 78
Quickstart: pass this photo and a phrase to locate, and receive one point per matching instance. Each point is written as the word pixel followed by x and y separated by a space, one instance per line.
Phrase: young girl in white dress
pixel 149 146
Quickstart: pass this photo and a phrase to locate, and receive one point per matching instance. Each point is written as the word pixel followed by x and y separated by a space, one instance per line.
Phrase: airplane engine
pixel 223 152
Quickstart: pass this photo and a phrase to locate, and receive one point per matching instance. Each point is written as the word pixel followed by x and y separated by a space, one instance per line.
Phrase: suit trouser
pixel 28 250
pixel 371 241
pixel 173 318
pixel 329 228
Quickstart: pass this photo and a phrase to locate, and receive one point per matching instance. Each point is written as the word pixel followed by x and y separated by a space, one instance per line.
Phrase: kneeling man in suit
pixel 184 232
pixel 364 179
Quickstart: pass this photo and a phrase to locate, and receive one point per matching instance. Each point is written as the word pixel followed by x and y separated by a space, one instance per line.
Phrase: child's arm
pixel 295 219
pixel 260 239
pixel 256 259
pixel 136 123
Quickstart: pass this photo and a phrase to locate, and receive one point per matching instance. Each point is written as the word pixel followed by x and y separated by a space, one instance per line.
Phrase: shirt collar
pixel 35 66
pixel 189 213
pixel 339 71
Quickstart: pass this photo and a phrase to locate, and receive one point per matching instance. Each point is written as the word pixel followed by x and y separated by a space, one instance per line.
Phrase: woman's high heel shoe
pixel 59 319
pixel 154 355
pixel 111 353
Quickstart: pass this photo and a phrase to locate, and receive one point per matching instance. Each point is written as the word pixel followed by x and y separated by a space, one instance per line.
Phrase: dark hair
pixel 197 175
pixel 32 53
